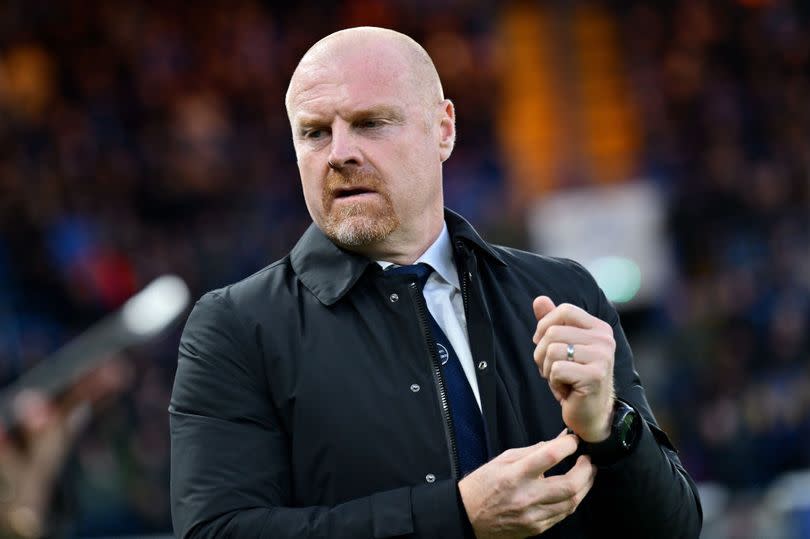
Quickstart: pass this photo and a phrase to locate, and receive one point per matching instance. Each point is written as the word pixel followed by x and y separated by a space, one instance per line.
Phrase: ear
pixel 447 129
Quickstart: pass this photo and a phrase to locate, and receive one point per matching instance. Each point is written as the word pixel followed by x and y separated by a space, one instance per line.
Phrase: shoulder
pixel 542 266
pixel 564 280
pixel 254 293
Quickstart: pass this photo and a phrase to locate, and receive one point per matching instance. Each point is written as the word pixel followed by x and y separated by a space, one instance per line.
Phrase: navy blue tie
pixel 468 424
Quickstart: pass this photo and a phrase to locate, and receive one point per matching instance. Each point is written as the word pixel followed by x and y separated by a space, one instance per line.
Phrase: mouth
pixel 352 192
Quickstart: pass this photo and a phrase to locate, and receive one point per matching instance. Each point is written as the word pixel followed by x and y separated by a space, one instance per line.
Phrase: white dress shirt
pixel 443 297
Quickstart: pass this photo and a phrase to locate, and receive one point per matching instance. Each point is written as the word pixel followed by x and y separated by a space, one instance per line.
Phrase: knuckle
pixel 536 527
pixel 519 469
pixel 509 454
pixel 603 337
pixel 568 490
pixel 512 455
pixel 571 505
pixel 554 454
pixel 526 520
pixel 541 326
pixel 522 502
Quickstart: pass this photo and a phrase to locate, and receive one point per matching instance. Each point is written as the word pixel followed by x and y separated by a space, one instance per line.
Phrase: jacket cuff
pixel 646 450
pixel 437 510
pixel 466 525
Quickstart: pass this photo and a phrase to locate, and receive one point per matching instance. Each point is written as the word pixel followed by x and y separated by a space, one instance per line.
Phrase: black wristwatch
pixel 624 434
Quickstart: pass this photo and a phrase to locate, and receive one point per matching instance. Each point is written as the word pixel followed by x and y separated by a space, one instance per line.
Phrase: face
pixel 369 147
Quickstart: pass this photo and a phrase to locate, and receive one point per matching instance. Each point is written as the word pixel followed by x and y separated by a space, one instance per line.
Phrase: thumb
pixel 542 305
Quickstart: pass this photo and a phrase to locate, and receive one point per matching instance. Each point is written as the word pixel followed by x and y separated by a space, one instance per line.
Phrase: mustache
pixel 339 179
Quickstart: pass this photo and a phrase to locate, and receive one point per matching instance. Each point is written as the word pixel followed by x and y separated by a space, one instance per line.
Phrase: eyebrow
pixel 385 111
pixel 392 113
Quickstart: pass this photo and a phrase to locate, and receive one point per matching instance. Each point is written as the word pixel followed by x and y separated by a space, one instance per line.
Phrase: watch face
pixel 627 432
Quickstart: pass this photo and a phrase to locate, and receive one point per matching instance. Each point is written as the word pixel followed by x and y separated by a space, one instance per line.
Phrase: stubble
pixel 362 223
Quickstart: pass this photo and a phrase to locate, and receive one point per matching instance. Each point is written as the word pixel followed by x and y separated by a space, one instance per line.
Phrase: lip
pixel 353 193
pixel 353 199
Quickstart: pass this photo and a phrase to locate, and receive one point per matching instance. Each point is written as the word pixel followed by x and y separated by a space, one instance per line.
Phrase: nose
pixel 344 150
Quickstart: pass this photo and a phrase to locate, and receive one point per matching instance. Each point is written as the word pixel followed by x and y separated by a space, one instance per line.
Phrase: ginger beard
pixel 357 223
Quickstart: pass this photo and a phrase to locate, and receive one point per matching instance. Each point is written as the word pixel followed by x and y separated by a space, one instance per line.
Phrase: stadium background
pixel 142 138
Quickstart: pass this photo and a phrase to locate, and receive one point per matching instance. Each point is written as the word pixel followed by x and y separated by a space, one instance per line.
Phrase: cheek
pixel 311 185
pixel 421 169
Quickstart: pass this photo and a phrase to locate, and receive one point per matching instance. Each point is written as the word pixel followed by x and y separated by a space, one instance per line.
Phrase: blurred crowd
pixel 142 138
pixel 724 96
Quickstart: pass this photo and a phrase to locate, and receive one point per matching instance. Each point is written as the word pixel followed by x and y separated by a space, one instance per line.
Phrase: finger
pixel 547 455
pixel 547 516
pixel 567 376
pixel 566 314
pixel 574 375
pixel 542 305
pixel 582 473
pixel 557 351
pixel 584 354
pixel 516 453
pixel 560 496
pixel 549 513
pixel 562 334
pixel 572 485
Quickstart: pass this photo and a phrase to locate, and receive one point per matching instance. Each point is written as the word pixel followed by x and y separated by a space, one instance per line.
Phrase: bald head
pixel 374 48
pixel 371 130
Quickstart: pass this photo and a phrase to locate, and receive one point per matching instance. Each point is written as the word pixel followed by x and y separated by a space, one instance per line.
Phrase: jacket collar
pixel 460 229
pixel 329 272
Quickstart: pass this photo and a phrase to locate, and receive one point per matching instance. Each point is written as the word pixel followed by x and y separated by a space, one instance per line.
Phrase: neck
pixel 402 249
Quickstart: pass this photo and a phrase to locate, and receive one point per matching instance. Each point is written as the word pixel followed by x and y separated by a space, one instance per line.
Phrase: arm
pixel 230 456
pixel 649 489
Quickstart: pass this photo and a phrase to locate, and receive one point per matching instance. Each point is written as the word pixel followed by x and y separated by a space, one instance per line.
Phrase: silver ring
pixel 570 352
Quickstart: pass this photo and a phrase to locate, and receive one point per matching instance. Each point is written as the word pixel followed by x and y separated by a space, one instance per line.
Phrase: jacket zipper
pixel 436 366
pixel 465 277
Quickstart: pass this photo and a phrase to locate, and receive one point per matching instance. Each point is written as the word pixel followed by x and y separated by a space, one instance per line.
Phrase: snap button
pixel 482 365
pixel 430 478
pixel 415 387
pixel 394 298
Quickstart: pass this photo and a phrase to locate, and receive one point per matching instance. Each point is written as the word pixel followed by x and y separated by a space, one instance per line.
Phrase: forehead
pixel 339 83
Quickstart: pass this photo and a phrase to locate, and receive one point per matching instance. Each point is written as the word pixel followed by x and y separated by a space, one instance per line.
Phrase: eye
pixel 314 134
pixel 371 123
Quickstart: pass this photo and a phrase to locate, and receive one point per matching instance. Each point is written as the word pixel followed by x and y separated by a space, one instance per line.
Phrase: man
pixel 331 395
pixel 34 502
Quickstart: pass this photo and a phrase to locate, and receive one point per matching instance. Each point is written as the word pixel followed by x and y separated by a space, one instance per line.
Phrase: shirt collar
pixel 329 272
pixel 438 256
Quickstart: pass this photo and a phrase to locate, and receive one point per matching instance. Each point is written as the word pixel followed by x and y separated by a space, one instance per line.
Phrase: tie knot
pixel 420 271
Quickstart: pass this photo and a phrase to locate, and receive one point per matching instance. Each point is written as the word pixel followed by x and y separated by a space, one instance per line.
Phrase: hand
pixel 32 458
pixel 584 386
pixel 509 497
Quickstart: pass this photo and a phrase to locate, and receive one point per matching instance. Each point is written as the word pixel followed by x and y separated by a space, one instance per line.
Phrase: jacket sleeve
pixel 648 490
pixel 230 456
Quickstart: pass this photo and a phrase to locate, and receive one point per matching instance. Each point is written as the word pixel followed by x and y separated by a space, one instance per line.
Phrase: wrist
pixel 624 433
pixel 603 432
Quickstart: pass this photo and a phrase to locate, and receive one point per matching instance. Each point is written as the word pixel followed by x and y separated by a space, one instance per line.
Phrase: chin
pixel 360 230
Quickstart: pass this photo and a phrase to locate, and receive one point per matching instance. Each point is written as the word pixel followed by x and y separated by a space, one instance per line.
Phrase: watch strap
pixel 625 432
